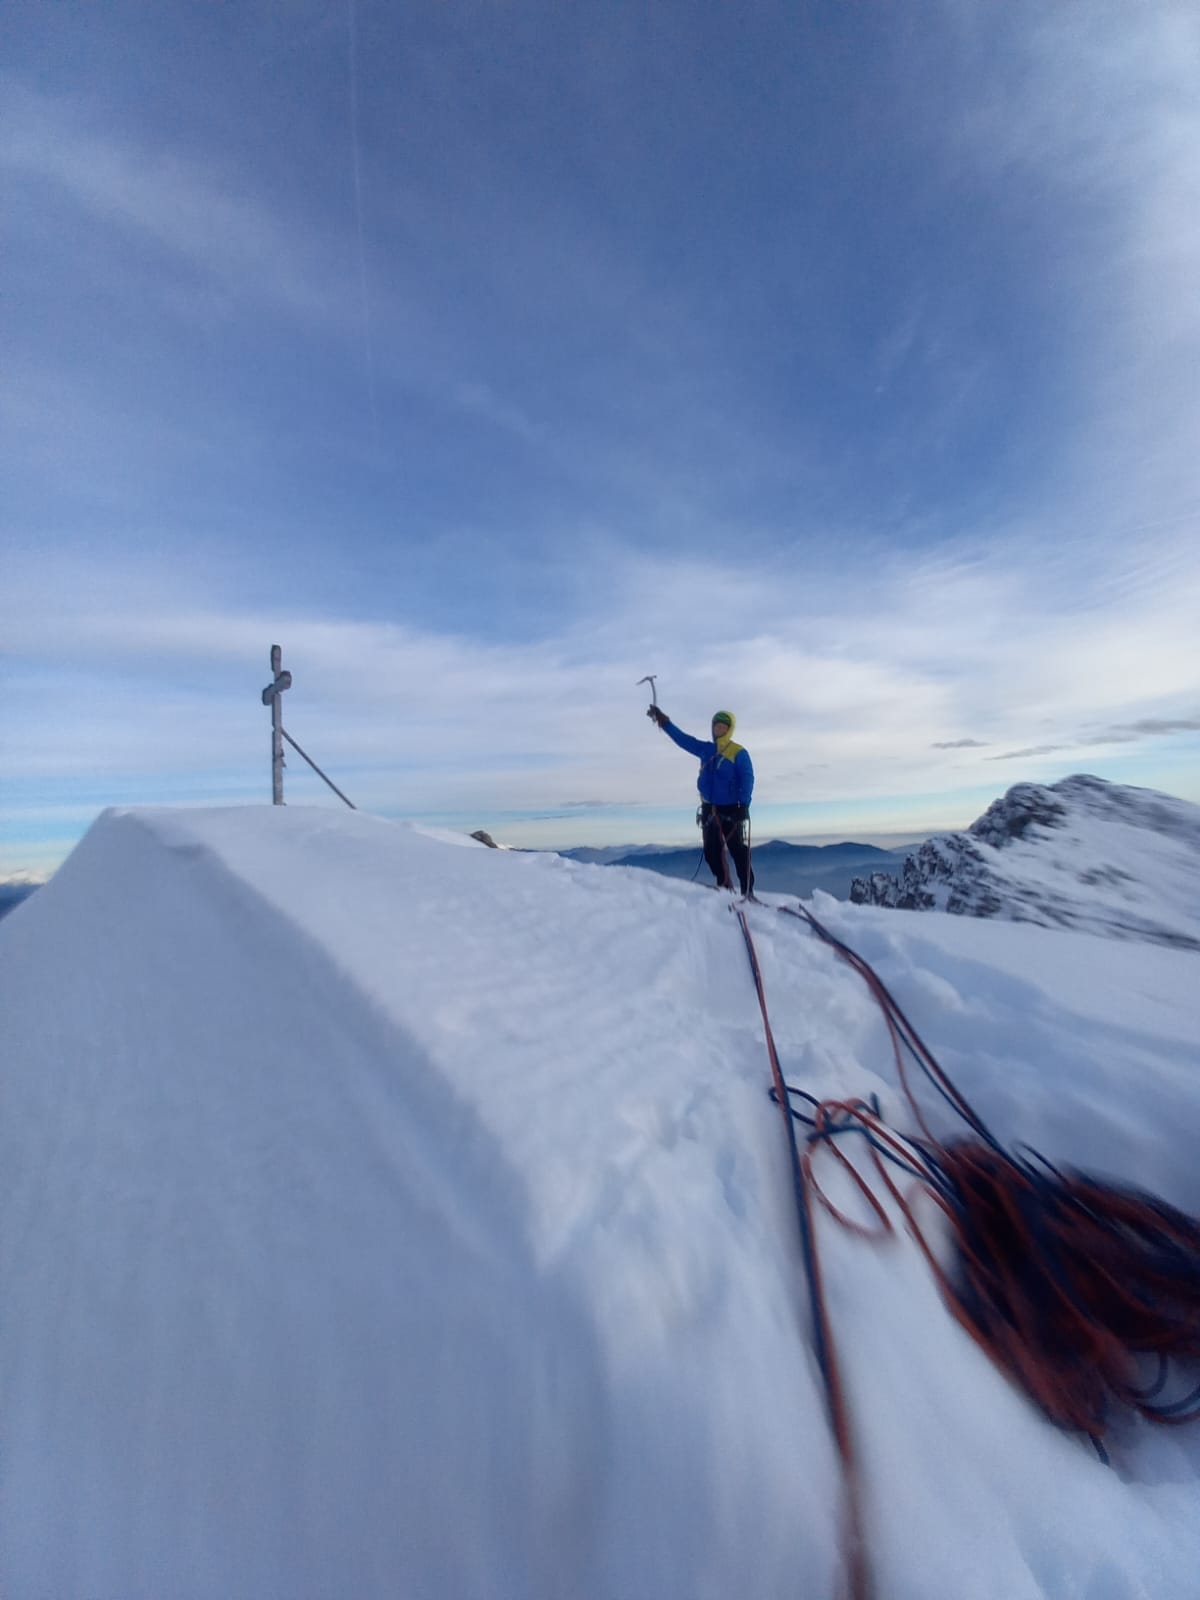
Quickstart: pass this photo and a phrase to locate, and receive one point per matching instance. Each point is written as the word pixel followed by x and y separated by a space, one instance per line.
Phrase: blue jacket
pixel 726 779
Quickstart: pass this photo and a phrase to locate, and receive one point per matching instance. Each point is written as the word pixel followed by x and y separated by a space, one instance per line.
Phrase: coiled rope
pixel 1086 1293
pixel 1073 1285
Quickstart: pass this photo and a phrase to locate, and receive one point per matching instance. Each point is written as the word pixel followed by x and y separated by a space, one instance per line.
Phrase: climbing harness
pixel 1072 1286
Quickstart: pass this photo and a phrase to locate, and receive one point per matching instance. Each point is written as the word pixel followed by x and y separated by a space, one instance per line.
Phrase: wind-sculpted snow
pixel 1082 853
pixel 385 1215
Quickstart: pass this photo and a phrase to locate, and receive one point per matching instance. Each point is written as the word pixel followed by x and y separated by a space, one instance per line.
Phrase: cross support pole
pixel 271 696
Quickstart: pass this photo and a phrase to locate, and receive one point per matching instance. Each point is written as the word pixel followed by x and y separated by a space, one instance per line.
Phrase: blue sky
pixel 838 363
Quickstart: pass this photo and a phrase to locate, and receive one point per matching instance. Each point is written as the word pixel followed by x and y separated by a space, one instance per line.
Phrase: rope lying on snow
pixel 1072 1286
pixel 853 1542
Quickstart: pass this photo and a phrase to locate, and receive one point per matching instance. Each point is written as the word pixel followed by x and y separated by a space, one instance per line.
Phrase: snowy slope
pixel 1082 853
pixel 381 1214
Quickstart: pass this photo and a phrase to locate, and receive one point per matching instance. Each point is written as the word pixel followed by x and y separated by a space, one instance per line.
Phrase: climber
pixel 726 783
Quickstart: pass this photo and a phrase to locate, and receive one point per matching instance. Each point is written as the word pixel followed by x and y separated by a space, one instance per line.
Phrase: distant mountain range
pixel 779 867
pixel 1086 854
pixel 13 892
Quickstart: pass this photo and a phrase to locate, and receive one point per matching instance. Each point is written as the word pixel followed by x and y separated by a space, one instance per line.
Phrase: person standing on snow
pixel 726 783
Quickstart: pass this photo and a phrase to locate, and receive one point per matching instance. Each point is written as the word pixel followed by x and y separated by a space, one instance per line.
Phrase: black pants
pixel 724 834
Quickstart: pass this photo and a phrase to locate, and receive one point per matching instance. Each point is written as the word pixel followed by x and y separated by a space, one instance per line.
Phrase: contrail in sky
pixel 358 212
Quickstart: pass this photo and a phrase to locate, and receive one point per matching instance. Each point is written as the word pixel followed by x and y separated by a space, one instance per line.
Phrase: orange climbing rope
pixel 1071 1285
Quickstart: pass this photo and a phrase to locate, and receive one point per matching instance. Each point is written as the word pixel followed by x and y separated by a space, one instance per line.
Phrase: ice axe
pixel 652 711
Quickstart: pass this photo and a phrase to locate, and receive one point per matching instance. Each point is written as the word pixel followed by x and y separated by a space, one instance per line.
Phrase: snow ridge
pixel 383 1214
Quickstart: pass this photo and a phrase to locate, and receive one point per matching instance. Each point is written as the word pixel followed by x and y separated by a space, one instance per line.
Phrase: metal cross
pixel 271 696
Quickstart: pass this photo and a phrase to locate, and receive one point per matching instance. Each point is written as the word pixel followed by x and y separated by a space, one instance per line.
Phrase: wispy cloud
pixel 1147 727
pixel 1138 732
pixel 198 242
pixel 184 206
pixel 1025 755
pixel 1099 113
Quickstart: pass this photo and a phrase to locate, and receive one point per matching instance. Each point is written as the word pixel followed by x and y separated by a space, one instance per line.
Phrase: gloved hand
pixel 657 714
pixel 741 813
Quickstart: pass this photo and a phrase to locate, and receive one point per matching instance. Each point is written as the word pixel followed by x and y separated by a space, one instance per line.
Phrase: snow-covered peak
pixel 1036 805
pixel 1082 853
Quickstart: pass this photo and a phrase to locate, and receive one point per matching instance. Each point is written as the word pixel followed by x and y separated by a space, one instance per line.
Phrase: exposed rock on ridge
pixel 1082 853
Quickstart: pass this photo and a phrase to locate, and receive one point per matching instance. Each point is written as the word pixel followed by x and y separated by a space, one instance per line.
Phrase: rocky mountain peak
pixel 1080 853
